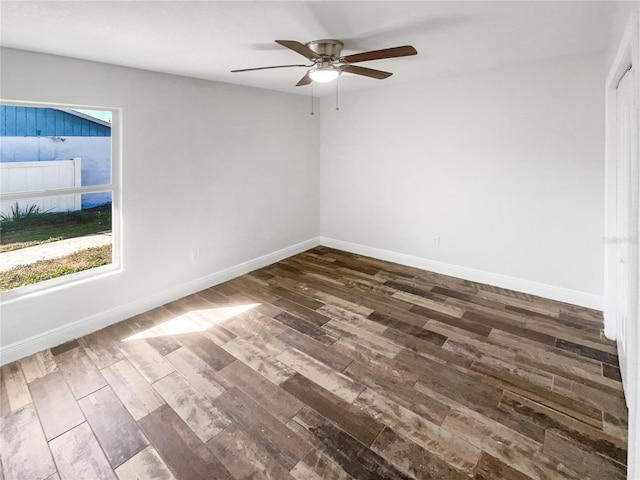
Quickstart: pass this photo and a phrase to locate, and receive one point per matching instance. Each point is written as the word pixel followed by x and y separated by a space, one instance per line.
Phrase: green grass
pixel 51 227
pixel 56 267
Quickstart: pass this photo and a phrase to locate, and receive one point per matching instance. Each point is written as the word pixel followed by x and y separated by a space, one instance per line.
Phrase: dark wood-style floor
pixel 325 365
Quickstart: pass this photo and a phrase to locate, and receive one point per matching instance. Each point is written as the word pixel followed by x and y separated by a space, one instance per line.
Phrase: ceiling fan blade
pixel 403 51
pixel 267 68
pixel 300 48
pixel 306 80
pixel 367 72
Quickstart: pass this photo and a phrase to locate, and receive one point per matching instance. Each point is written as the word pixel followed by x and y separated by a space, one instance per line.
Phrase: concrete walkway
pixel 61 248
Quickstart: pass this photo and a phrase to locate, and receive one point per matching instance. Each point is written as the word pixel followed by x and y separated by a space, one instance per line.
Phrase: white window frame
pixel 72 279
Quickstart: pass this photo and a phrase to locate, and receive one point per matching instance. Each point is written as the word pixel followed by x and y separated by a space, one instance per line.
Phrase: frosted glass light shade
pixel 325 75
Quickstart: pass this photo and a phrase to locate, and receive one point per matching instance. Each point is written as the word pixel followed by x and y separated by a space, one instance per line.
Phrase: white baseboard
pixel 57 336
pixel 498 280
pixel 70 331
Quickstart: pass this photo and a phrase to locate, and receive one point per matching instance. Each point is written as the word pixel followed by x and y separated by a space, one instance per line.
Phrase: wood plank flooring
pixel 326 365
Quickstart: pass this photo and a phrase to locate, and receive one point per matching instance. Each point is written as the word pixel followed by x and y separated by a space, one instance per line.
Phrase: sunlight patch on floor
pixel 193 321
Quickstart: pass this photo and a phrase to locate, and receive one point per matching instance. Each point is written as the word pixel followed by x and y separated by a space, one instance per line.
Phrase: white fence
pixel 20 177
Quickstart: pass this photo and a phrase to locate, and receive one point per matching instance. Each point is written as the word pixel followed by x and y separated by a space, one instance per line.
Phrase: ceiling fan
pixel 327 63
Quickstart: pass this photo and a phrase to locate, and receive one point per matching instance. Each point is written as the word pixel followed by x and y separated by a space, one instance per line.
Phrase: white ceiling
pixel 207 39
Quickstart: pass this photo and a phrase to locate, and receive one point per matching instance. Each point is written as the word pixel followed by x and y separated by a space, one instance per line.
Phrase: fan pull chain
pixel 337 105
pixel 312 99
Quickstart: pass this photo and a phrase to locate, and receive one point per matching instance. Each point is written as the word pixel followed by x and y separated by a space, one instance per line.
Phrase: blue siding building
pixel 20 121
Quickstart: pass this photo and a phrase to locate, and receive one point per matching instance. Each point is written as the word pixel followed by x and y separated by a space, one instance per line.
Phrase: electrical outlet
pixel 195 256
pixel 436 241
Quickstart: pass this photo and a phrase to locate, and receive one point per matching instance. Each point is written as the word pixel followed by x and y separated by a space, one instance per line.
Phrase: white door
pixel 626 239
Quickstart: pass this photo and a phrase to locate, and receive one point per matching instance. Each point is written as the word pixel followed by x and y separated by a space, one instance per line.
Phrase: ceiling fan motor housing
pixel 327 48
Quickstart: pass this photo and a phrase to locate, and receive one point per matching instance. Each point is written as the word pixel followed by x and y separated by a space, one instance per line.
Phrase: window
pixel 58 195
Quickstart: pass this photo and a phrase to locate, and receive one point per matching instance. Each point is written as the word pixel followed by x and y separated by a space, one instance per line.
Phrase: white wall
pixel 229 172
pixel 619 20
pixel 506 167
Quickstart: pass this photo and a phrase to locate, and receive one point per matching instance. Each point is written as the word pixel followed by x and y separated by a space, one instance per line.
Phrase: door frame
pixel 628 55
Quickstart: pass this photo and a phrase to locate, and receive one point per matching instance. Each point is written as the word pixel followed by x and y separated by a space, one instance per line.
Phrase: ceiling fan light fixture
pixel 324 74
pixel 328 62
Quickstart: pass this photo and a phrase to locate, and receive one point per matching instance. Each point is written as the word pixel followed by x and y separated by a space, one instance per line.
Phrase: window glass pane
pixel 49 148
pixel 43 234
pixel 90 200
pixel 40 239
